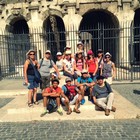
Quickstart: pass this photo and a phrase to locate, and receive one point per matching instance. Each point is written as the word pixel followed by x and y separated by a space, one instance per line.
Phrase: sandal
pixel 69 112
pixel 30 104
pixel 36 102
pixel 76 111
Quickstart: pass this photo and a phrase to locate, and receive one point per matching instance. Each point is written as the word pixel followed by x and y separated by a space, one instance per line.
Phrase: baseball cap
pixel 68 52
pixel 99 51
pixel 68 79
pixel 84 71
pixel 59 53
pixel 90 52
pixel 100 77
pixel 48 51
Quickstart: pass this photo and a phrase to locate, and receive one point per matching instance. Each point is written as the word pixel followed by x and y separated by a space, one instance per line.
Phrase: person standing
pixel 46 64
pixel 29 76
pixel 108 70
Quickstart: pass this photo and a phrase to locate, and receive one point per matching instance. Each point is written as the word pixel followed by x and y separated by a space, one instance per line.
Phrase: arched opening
pixel 18 42
pixel 102 28
pixel 55 34
pixel 137 36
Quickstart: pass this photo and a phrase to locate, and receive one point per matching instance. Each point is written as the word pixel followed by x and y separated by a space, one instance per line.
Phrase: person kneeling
pixel 73 96
pixel 52 92
pixel 103 96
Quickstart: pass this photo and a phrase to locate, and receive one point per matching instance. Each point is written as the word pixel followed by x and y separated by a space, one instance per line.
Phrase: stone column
pixel 72 22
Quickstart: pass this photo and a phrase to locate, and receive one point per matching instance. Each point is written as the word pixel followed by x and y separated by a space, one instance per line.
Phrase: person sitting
pixel 73 96
pixel 85 84
pixel 103 96
pixel 54 92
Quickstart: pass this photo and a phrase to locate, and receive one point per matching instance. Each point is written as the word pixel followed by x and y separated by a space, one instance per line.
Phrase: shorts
pixel 108 80
pixel 45 82
pixel 71 102
pixel 32 83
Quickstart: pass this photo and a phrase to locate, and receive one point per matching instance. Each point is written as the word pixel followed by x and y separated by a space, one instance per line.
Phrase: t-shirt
pixel 51 89
pixel 84 80
pixel 69 64
pixel 45 67
pixel 59 64
pixel 101 92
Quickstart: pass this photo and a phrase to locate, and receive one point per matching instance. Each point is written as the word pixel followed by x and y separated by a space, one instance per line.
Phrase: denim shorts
pixel 32 83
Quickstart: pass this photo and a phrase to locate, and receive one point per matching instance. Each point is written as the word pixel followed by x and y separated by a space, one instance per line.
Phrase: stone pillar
pixel 36 31
pixel 72 22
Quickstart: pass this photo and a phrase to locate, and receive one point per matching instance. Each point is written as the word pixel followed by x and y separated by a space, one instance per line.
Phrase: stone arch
pixel 101 25
pixel 55 34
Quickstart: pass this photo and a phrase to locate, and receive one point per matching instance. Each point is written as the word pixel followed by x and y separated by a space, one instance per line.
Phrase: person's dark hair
pixel 76 58
pixel 89 57
pixel 55 80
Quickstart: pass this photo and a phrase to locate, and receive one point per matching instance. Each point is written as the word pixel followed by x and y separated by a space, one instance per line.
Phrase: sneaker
pixel 44 113
pixel 82 101
pixel 59 111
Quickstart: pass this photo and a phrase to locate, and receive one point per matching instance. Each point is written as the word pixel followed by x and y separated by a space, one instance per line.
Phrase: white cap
pixel 68 52
pixel 80 43
pixel 48 51
pixel 59 53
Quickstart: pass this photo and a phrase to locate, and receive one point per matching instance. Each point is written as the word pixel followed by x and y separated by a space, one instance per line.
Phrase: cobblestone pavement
pixel 72 130
pixel 4 101
pixel 130 91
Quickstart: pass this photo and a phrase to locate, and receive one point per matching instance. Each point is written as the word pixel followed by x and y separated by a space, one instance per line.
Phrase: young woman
pixel 108 70
pixel 100 61
pixel 79 62
pixel 91 65
pixel 29 76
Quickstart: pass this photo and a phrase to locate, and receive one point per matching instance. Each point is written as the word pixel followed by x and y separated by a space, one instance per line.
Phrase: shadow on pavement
pixel 136 92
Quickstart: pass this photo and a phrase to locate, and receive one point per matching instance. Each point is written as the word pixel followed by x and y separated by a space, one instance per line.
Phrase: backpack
pixel 52 106
pixel 70 93
pixel 51 65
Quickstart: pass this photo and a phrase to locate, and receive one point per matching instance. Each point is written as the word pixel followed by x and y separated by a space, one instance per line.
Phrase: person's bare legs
pixel 35 96
pixel 30 95
pixel 59 110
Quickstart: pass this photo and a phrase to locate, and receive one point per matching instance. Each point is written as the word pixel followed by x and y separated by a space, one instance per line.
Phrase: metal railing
pixel 123 43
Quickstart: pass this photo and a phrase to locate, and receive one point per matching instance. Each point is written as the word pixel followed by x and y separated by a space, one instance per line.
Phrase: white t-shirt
pixel 59 64
pixel 69 64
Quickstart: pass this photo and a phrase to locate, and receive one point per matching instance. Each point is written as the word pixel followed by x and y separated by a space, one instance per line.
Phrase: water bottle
pixel 26 84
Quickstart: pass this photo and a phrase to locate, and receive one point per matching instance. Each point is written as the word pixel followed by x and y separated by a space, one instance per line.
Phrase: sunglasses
pixel 107 57
pixel 32 54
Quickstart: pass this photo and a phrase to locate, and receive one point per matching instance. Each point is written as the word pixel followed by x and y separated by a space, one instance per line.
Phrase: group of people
pixel 86 75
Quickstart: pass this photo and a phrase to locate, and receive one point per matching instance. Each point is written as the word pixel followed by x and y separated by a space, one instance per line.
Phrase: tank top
pixel 30 70
pixel 107 70
pixel 79 64
pixel 91 65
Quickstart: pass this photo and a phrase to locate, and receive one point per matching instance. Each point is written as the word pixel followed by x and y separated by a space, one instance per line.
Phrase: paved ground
pixel 72 130
pixel 130 91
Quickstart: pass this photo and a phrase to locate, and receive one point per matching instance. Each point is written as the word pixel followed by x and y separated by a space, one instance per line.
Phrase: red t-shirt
pixel 51 89
pixel 91 65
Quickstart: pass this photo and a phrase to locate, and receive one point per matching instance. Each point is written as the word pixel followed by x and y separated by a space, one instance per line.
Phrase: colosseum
pixel 112 25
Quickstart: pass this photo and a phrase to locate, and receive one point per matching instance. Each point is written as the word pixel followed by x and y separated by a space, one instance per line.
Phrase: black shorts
pixel 45 82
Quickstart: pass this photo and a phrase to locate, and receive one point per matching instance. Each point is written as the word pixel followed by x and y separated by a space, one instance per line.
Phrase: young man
pixel 73 96
pixel 103 96
pixel 85 84
pixel 45 65
pixel 54 92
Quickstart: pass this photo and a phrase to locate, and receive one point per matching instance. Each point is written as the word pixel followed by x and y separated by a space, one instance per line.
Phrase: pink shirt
pixel 79 64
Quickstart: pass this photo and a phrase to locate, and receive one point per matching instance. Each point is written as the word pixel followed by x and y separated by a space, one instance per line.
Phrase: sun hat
pixel 31 50
pixel 68 79
pixel 59 53
pixel 48 51
pixel 108 54
pixel 90 52
pixel 80 43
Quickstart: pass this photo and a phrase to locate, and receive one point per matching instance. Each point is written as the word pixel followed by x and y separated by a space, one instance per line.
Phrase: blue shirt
pixel 84 80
